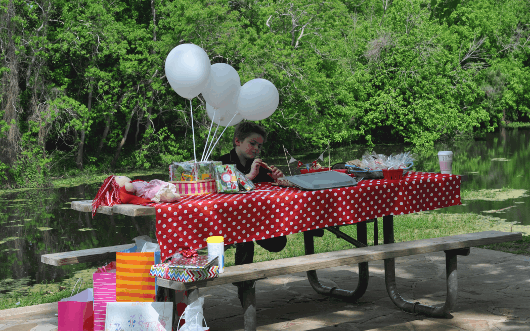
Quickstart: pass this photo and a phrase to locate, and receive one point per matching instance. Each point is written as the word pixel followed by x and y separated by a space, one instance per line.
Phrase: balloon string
pixel 222 133
pixel 209 131
pixel 193 132
pixel 210 147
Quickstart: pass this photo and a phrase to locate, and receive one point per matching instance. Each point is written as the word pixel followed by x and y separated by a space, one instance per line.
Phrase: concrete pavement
pixel 494 294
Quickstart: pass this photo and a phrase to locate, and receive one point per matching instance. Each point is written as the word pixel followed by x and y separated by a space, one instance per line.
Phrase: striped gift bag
pixel 195 187
pixel 104 291
pixel 133 282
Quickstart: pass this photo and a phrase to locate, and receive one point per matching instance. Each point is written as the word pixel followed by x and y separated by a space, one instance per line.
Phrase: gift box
pixel 195 187
pixel 168 271
pixel 191 171
pixel 206 169
pixel 226 178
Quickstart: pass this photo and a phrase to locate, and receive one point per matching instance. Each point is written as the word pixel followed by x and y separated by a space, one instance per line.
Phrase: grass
pixel 493 194
pixel 28 295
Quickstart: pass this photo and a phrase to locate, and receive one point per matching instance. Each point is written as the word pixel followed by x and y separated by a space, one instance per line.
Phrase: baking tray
pixel 322 180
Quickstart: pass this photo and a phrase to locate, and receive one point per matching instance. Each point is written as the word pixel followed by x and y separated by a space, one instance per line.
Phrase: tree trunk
pixel 140 115
pixel 105 133
pixel 123 139
pixel 9 90
pixel 107 125
pixel 81 146
pixel 149 87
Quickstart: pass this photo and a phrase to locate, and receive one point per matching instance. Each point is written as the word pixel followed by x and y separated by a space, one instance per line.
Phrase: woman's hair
pixel 245 129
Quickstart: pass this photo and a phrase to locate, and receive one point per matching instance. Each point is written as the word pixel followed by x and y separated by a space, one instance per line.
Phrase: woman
pixel 248 140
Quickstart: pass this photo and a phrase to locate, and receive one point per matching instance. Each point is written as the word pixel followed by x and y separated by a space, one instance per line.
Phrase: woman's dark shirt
pixel 232 158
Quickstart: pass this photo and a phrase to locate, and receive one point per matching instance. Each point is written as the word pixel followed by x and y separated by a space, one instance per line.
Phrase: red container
pixel 393 174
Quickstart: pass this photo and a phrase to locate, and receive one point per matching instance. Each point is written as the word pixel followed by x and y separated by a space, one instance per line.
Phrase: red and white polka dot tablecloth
pixel 271 211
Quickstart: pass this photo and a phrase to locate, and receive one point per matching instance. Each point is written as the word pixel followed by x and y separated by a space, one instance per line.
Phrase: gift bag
pixel 104 291
pixel 133 282
pixel 141 316
pixel 77 312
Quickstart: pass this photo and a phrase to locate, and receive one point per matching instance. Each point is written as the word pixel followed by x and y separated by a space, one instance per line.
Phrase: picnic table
pixel 271 211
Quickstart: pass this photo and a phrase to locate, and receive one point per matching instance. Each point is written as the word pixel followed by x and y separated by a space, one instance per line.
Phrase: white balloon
pixel 223 86
pixel 224 115
pixel 258 99
pixel 188 70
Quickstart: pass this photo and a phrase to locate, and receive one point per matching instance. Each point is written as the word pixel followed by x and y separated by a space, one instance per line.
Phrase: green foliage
pixel 415 72
pixel 31 167
pixel 162 149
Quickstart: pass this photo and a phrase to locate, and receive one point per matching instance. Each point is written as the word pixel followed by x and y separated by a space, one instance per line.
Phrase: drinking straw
pixel 221 134
pixel 203 152
pixel 285 152
pixel 193 132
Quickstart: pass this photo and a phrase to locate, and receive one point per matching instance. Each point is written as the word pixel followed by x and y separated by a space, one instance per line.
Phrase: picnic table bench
pixel 246 275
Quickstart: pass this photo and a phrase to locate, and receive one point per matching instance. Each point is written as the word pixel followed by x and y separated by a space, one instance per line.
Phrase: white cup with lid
pixel 446 162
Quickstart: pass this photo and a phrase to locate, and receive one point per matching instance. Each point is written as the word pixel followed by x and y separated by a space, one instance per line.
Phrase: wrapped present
pixel 206 169
pixel 184 275
pixel 195 187
pixel 199 262
pixel 191 171
pixel 226 178
pixel 182 171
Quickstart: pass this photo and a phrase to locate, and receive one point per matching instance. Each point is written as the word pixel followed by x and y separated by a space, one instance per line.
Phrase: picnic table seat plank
pixel 290 265
pixel 85 255
pixel 124 209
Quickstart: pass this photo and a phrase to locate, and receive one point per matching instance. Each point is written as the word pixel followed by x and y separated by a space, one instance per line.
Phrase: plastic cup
pixel 216 247
pixel 446 161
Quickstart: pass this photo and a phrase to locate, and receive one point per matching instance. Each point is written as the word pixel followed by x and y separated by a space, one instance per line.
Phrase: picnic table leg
pixel 416 307
pixel 363 267
pixel 247 295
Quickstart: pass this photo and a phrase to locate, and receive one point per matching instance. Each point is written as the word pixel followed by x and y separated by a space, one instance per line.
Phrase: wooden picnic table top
pixel 123 209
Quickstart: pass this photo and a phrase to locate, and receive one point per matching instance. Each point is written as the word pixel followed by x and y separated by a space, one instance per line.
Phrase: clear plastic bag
pixel 193 315
pixel 375 161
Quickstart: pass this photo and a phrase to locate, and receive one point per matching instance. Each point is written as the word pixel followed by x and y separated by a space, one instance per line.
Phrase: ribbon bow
pixel 189 253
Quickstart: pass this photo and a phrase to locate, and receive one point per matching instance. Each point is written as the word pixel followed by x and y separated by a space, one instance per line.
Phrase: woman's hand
pixel 254 169
pixel 276 173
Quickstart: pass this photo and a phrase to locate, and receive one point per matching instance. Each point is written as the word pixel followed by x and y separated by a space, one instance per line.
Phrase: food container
pixel 372 174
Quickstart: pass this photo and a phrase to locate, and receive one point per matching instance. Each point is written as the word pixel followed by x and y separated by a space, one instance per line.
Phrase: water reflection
pixel 41 221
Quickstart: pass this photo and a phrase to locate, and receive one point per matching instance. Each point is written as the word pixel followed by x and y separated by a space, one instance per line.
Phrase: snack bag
pixel 226 178
pixel 244 183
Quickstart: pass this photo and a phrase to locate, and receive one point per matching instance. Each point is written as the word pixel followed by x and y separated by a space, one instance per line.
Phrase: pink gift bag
pixel 77 313
pixel 104 291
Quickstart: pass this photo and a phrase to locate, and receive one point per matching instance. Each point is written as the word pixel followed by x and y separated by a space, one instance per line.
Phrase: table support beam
pixel 247 296
pixel 416 307
pixel 335 292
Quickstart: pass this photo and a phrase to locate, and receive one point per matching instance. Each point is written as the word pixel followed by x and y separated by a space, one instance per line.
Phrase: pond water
pixel 38 222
